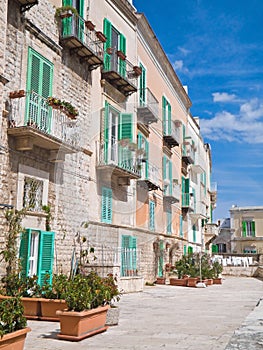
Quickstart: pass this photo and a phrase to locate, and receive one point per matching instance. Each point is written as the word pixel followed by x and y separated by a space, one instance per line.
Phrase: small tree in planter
pixel 217 269
pixel 13 327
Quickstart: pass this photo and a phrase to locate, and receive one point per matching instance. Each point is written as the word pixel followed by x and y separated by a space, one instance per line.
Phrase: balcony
pixel 120 161
pixel 80 40
pixel 149 176
pixel 171 133
pixel 27 4
pixel 188 202
pixel 40 125
pixel 188 152
pixel 210 231
pixel 121 74
pixel 197 167
pixel 172 191
pixel 199 212
pixel 213 193
pixel 148 110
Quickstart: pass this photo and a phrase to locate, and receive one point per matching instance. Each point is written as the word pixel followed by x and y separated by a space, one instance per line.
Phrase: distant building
pixel 247 227
pixel 222 243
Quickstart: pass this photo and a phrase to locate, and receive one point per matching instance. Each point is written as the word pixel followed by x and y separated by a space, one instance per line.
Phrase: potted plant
pixel 217 270
pixel 181 269
pixel 87 300
pixel 17 94
pixel 101 36
pixel 13 327
pixel 137 71
pixel 121 55
pixel 65 12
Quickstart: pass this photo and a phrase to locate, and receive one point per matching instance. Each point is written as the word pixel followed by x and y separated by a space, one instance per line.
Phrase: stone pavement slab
pixel 167 317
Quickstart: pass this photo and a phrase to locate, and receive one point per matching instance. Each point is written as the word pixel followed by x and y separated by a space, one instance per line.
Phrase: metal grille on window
pixel 33 193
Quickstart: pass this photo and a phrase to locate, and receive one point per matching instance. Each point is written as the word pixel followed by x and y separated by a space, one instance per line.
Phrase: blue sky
pixel 216 48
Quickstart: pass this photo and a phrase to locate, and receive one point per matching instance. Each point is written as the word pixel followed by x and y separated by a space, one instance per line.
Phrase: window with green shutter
pixel 125 133
pixel 160 259
pixel 248 228
pixel 181 226
pixel 167 117
pixel 36 253
pixel 143 146
pixel 167 175
pixel 128 256
pixel 106 205
pixel 194 233
pixel 39 83
pixel 142 86
pixel 151 215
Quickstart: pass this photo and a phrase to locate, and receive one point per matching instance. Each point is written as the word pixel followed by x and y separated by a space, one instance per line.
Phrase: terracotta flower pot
pixel 160 280
pixel 191 282
pixel 101 37
pixel 49 307
pixel 14 340
pixel 76 326
pixel 217 280
pixel 89 25
pixel 178 281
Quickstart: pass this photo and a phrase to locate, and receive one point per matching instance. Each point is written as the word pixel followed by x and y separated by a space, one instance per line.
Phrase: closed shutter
pixel 142 86
pixel 164 116
pixel 170 178
pixel 194 233
pixel 169 119
pixel 125 131
pixel 181 226
pixel 24 250
pixel 160 259
pixel 46 256
pixel 39 83
pixel 214 248
pixel 106 205
pixel 133 247
pixel 183 144
pixel 185 249
pixel 122 63
pixel 244 228
pixel 152 215
pixel 107 29
pixel 80 22
pixel 125 245
pixel 147 158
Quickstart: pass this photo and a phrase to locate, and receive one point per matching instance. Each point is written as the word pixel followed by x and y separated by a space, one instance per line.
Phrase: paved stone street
pixel 167 317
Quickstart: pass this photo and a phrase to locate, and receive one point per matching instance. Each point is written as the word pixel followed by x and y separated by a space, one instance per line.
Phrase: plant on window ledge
pixel 101 37
pixel 64 106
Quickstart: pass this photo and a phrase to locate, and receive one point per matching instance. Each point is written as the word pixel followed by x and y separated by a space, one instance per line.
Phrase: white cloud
pixel 247 126
pixel 223 97
pixel 179 66
pixel 184 51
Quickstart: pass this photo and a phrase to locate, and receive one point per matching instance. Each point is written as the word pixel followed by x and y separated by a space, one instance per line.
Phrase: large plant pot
pixel 76 326
pixel 49 307
pixel 14 340
pixel 32 309
pixel 217 280
pixel 191 282
pixel 113 315
pixel 209 281
pixel 178 281
pixel 160 280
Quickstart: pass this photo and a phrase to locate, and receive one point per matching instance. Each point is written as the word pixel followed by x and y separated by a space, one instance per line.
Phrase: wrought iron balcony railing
pixel 172 133
pixel 31 116
pixel 150 175
pixel 148 109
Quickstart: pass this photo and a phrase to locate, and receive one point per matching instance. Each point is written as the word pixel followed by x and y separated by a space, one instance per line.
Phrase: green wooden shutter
pixel 164 167
pixel 185 249
pixel 169 118
pixel 133 246
pixel 107 30
pixel 152 215
pixel 142 86
pixel 39 83
pixel 253 228
pixel 169 222
pixel 122 47
pixel 106 205
pixel 67 23
pixel 46 256
pixel 160 259
pixel 187 187
pixel 125 132
pixel 106 132
pixel 80 21
pixel 24 251
pixel 164 115
pixel 147 158
pixel 183 144
pixel 194 233
pixel 190 250
pixel 244 228
pixel 214 248
pixel 170 177
pixel 125 245
pixel 181 226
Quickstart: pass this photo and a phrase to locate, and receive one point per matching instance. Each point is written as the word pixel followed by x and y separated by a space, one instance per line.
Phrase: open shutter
pixel 24 250
pixel 169 222
pixel 142 86
pixel 183 145
pixel 107 30
pixel 125 132
pixel 133 246
pixel 253 228
pixel 106 132
pixel 152 215
pixel 125 245
pixel 170 178
pixel 244 228
pixel 46 256
pixel 164 115
pixel 147 158
pixel 122 63
pixel 169 120
pixel 181 226
pixel 67 27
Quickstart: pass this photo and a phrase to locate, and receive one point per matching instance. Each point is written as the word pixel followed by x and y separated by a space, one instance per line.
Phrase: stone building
pixel 246 227
pixel 96 127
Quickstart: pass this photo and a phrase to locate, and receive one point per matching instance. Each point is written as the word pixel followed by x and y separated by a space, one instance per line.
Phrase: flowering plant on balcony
pixel 64 106
pixel 65 12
